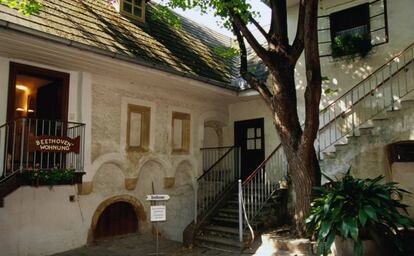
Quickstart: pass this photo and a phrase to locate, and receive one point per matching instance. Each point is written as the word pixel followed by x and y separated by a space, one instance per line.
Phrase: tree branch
pixel 313 74
pixel 240 26
pixel 297 46
pixel 278 25
pixel 260 28
pixel 249 77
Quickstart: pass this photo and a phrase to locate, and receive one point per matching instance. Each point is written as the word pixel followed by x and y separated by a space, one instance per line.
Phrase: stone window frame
pixel 132 15
pixel 145 127
pixel 185 133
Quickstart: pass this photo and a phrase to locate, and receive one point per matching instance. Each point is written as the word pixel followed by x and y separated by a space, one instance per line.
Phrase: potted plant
pixel 358 209
pixel 351 45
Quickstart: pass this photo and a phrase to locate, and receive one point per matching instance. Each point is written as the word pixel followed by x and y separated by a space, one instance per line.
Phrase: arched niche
pixel 213 134
pixel 151 176
pixel 183 174
pixel 109 179
pixel 122 206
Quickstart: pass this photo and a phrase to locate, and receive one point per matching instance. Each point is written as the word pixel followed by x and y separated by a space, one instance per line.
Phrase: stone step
pixel 366 130
pixel 407 103
pixel 218 242
pixel 230 210
pixel 226 219
pixel 222 229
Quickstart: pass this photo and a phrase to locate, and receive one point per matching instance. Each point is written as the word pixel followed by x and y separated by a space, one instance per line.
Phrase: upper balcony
pixel 41 151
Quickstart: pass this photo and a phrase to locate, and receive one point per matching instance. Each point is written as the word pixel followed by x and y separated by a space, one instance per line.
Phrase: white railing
pixel 18 152
pixel 260 185
pixel 212 155
pixel 216 180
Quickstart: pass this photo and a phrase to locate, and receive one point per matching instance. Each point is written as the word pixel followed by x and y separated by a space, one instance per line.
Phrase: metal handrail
pixel 256 190
pixel 216 163
pixel 224 173
pixel 370 97
pixel 347 110
pixel 399 54
pixel 260 165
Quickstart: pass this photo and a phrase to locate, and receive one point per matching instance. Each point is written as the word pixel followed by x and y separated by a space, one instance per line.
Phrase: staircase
pixel 30 145
pixel 222 230
pixel 226 206
pixel 368 145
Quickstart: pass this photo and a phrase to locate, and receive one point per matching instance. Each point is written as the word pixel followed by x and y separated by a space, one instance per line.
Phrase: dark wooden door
pixel 249 136
pixel 117 219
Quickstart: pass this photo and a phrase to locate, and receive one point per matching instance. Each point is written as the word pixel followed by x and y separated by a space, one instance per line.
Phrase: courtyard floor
pixel 140 245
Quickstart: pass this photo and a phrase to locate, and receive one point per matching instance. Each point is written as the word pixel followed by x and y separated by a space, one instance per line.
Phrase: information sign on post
pixel 158 213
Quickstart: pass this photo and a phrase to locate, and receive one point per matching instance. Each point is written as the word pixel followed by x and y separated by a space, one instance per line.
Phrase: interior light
pixel 30 110
pixel 22 87
pixel 19 109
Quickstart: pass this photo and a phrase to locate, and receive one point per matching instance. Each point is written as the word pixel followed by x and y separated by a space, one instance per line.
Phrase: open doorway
pixel 37 93
pixel 117 219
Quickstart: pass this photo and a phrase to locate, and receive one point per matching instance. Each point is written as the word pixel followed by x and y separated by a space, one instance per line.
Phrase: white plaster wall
pixel 211 139
pixel 41 221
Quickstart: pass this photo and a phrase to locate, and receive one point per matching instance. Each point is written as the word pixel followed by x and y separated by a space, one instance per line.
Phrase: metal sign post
pixel 158 213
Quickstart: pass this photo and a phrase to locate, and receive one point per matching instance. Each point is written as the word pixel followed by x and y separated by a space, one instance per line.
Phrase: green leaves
pixel 226 52
pixel 352 45
pixel 350 206
pixel 50 176
pixel 26 7
pixel 165 14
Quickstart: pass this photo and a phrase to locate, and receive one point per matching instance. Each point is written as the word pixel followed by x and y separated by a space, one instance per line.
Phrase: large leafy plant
pixel 355 209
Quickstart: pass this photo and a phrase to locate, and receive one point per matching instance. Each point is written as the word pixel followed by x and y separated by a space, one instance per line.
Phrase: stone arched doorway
pixel 115 216
pixel 117 219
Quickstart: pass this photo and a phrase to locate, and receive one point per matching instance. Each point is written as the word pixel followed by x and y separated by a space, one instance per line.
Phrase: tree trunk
pixel 300 152
pixel 305 174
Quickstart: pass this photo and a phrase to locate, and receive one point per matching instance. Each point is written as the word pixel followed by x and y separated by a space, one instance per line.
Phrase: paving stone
pixel 140 245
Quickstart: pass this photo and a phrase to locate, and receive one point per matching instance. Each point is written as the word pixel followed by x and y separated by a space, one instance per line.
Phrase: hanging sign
pixel 57 144
pixel 158 197
pixel 158 213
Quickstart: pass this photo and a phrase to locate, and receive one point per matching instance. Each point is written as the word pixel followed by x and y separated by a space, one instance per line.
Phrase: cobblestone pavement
pixel 140 245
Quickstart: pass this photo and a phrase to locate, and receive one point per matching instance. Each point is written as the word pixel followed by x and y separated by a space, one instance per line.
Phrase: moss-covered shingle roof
pixel 97 24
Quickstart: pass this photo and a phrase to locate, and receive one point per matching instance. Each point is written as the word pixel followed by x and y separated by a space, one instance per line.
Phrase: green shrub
pixel 357 209
pixel 50 177
pixel 351 45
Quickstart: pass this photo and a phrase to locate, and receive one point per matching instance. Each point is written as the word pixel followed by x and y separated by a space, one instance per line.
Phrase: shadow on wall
pixel 180 208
